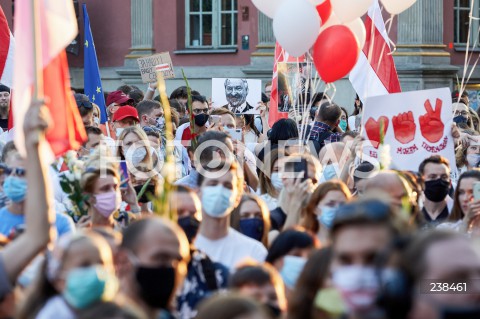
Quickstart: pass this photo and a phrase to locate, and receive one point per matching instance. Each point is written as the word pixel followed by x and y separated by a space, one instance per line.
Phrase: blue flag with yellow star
pixel 91 75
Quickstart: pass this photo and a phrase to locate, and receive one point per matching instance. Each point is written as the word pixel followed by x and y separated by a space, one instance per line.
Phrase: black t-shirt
pixel 440 218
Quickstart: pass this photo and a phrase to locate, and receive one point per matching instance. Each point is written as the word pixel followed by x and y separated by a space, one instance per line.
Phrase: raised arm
pixel 39 210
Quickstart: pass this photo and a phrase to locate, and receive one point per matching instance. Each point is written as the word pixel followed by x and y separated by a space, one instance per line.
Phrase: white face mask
pixel 276 181
pixel 137 156
pixel 118 131
pixel 217 201
pixel 96 120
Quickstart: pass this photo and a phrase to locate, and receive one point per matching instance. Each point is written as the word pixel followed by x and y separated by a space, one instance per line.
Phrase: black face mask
pixel 436 190
pixel 149 191
pixel 157 285
pixel 201 119
pixel 460 119
pixel 190 226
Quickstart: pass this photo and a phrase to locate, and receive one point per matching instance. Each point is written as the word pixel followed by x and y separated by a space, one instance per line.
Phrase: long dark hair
pixel 250 122
pixel 357 109
pixel 311 280
pixel 457 213
pixel 283 130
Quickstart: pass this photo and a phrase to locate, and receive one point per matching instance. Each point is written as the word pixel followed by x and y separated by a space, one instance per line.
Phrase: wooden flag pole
pixel 37 52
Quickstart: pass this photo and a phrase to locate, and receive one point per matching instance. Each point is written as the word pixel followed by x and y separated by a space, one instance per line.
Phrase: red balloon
pixel 324 10
pixel 335 53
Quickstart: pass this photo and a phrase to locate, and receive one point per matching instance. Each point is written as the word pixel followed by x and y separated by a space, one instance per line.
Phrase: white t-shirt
pixel 271 202
pixel 231 249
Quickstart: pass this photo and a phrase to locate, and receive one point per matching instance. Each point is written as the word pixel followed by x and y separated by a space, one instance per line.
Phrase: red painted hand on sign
pixel 372 128
pixel 431 124
pixel 404 127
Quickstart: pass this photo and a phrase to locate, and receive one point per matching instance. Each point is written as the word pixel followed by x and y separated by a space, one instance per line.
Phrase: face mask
pixel 84 286
pixel 157 285
pixel 252 227
pixel 330 300
pixel 107 203
pixel 330 171
pixel 160 123
pixel 292 267
pixel 276 181
pixel 326 216
pixel 118 131
pixel 358 286
pixel 201 119
pixel 460 119
pixel 217 201
pixel 190 226
pixel 275 312
pixel 137 156
pixel 96 120
pixel 343 125
pixel 149 191
pixel 15 188
pixel 436 190
pixel 473 160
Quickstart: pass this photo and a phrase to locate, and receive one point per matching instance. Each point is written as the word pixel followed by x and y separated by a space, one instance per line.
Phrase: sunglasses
pixel 372 209
pixel 85 104
pixel 20 172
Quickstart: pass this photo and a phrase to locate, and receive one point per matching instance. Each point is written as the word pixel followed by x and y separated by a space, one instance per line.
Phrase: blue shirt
pixel 64 224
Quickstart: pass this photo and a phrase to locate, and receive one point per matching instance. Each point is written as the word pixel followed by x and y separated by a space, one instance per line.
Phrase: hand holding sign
pixel 372 128
pixel 404 127
pixel 431 124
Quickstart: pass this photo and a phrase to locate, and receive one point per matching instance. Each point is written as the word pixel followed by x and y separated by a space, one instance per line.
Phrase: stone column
pixel 420 56
pixel 261 61
pixel 142 30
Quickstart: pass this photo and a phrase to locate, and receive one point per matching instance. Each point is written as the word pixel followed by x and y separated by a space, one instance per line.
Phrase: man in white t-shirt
pixel 220 191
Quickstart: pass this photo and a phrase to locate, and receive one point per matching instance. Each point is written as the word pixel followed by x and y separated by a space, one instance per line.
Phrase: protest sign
pixel 415 125
pixel 148 65
pixel 240 96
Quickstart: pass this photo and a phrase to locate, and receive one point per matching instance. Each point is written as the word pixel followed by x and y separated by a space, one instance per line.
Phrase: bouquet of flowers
pixel 70 183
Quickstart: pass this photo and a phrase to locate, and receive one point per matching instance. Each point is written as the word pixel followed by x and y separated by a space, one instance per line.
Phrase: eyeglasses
pixel 20 172
pixel 462 113
pixel 198 111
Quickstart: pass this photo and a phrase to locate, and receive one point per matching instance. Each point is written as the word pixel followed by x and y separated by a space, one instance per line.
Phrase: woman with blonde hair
pixel 101 184
pixel 318 215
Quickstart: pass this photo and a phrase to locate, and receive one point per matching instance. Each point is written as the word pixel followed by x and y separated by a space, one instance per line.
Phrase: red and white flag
pixel 280 56
pixel 7 49
pixel 57 28
pixel 375 72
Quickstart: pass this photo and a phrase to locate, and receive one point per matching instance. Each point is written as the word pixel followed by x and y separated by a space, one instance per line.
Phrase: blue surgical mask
pixel 15 188
pixel 473 160
pixel 276 181
pixel 118 131
pixel 252 227
pixel 87 285
pixel 217 201
pixel 343 125
pixel 327 215
pixel 330 172
pixel 460 119
pixel 160 123
pixel 292 267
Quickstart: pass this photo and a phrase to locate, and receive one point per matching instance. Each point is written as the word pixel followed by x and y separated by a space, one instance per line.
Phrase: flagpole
pixel 37 52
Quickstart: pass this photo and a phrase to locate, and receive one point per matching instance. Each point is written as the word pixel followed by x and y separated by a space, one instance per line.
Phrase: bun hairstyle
pixel 100 162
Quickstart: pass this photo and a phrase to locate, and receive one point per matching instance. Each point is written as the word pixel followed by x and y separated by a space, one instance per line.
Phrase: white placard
pixel 241 96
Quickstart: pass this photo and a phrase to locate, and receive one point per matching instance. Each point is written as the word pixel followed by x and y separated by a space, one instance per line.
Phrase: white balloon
pixel 397 6
pixel 296 26
pixel 317 2
pixel 333 20
pixel 268 7
pixel 348 10
pixel 358 29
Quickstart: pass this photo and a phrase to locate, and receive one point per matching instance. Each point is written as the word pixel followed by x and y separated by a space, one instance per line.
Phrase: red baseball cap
pixel 118 97
pixel 124 112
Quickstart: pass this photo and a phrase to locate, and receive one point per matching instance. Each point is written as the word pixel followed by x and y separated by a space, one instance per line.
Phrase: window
pixel 211 23
pixel 461 12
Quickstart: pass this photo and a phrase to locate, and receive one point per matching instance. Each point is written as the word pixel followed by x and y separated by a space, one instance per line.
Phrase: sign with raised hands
pixel 414 125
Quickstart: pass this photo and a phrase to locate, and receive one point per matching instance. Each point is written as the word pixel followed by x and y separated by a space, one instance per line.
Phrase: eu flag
pixel 91 75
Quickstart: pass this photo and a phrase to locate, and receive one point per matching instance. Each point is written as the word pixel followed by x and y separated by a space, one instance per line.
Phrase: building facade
pixel 230 38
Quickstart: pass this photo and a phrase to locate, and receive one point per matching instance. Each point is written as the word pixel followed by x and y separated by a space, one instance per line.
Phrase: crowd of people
pixel 263 225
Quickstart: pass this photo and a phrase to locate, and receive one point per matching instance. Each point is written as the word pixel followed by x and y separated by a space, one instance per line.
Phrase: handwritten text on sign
pixel 415 124
pixel 147 67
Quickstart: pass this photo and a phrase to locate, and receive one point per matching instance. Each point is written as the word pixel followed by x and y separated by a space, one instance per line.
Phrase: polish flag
pixel 280 56
pixel 375 72
pixel 57 28
pixel 7 49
